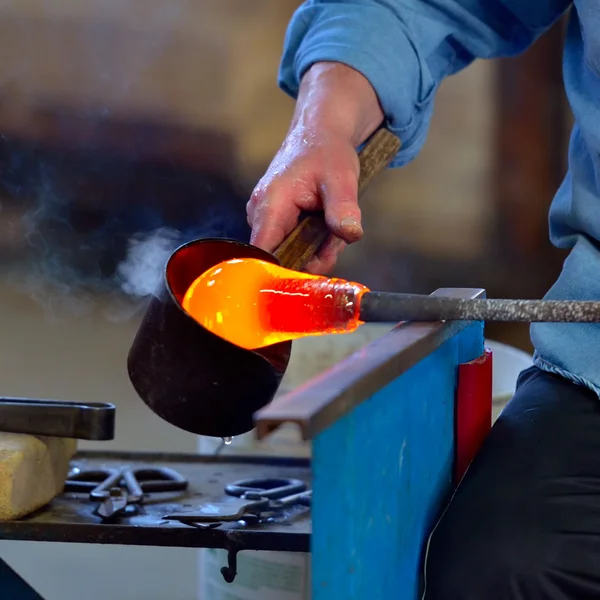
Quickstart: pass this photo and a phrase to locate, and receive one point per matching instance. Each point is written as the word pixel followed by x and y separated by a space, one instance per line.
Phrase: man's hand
pixel 312 171
pixel 317 166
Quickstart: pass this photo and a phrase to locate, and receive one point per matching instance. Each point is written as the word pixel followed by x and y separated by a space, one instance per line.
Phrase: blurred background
pixel 129 126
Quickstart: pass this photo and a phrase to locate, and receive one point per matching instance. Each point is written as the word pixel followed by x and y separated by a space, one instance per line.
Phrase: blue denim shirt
pixel 406 48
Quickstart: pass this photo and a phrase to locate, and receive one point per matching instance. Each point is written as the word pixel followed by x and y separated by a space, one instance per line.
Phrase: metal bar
pixel 390 307
pixel 176 535
pixel 328 397
pixel 83 421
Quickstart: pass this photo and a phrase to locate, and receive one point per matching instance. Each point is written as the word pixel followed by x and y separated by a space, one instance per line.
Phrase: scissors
pixel 119 491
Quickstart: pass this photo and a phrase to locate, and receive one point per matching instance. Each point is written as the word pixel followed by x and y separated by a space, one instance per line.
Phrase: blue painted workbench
pixel 383 426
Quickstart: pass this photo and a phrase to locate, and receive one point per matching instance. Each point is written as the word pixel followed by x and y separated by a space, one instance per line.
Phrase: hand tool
pixel 390 307
pixel 264 488
pixel 114 504
pixel 197 381
pixel 79 420
pixel 118 489
pixel 250 497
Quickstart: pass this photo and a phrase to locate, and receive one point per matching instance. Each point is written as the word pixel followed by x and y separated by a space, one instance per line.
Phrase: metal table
pixel 70 517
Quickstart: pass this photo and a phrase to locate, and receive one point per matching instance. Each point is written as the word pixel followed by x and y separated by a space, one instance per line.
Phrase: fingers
pixel 274 209
pixel 325 261
pixel 307 178
pixel 339 197
pixel 272 215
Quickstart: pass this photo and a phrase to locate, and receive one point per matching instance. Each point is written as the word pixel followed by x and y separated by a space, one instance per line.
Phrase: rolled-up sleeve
pixel 405 48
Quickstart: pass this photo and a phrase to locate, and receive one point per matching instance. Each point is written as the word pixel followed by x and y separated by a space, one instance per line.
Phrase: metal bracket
pixel 473 414
pixel 230 571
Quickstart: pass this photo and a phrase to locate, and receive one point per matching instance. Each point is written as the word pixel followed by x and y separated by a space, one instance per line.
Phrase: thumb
pixel 339 196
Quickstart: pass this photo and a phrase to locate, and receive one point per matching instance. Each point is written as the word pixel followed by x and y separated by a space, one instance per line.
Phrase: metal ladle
pixel 196 380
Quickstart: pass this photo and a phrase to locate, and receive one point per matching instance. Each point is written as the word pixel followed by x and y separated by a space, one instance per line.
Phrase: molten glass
pixel 253 303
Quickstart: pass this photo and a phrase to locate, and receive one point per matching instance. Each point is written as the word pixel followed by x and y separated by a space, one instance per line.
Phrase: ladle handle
pixel 310 233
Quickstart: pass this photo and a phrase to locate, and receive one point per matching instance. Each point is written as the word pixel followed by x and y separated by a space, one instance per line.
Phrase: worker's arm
pixel 405 48
pixel 353 64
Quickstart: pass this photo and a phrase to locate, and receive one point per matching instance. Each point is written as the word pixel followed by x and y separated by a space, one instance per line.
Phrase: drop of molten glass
pixel 253 303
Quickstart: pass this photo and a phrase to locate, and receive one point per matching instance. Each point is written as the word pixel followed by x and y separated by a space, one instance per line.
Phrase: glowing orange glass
pixel 254 303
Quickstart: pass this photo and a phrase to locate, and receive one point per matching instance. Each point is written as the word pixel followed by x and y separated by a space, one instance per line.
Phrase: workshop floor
pixel 84 359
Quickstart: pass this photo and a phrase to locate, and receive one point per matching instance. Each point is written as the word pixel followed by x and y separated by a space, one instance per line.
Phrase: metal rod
pixel 393 308
pixel 325 399
pixel 79 420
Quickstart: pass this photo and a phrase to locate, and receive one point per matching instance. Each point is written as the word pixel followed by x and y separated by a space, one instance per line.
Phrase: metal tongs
pixel 120 491
pixel 54 418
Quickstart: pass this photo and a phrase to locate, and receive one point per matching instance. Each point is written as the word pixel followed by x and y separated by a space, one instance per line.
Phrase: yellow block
pixel 33 470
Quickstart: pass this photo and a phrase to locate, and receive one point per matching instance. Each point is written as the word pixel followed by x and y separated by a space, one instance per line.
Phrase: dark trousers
pixel 524 523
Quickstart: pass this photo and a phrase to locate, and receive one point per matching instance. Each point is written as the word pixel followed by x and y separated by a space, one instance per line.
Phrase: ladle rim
pixel 174 299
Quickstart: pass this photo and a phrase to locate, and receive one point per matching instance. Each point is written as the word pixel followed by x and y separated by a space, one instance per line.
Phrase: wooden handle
pixel 376 156
pixel 310 233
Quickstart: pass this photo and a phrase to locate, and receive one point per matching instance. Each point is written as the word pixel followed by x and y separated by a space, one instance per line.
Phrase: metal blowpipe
pixel 391 308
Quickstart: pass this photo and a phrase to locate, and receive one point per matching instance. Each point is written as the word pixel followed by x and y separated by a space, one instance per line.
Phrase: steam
pixel 62 292
pixel 139 274
pixel 147 254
